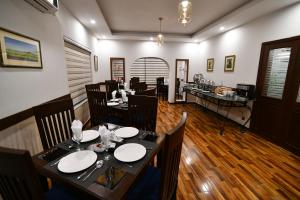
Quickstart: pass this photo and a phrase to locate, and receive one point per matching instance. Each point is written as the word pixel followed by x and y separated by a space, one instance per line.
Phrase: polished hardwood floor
pixel 233 166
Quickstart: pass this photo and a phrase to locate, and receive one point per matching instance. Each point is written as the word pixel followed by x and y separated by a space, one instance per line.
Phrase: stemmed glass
pixel 77 137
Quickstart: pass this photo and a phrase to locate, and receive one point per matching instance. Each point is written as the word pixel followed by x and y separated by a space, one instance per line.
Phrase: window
pixel 78 61
pixel 149 68
pixel 278 63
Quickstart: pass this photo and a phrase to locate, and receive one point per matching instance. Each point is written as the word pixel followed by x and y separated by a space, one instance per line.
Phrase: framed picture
pixel 19 50
pixel 229 63
pixel 96 63
pixel 210 64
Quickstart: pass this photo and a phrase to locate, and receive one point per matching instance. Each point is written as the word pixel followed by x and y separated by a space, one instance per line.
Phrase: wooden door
pixel 277 88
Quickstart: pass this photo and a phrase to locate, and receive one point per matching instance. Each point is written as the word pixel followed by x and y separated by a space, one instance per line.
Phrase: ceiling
pixel 138 19
pixel 142 15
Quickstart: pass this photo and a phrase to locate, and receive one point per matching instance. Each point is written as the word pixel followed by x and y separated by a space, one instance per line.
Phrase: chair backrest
pixel 133 80
pixel 18 178
pixel 110 85
pixel 150 92
pixel 142 111
pixel 93 87
pixel 171 154
pixel 177 84
pixel 97 106
pixel 139 88
pixel 54 120
pixel 160 80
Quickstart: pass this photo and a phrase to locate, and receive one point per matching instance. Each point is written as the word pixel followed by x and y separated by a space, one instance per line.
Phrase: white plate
pixel 112 103
pixel 89 135
pixel 130 152
pixel 126 132
pixel 77 161
pixel 112 100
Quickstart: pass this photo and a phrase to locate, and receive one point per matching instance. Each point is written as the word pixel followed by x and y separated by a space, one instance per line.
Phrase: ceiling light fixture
pixel 151 38
pixel 185 11
pixel 222 28
pixel 160 38
pixel 93 21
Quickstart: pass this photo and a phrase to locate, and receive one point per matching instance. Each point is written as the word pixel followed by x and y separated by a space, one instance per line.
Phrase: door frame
pixel 187 75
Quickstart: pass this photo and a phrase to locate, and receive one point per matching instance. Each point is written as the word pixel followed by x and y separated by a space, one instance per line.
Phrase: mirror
pixel 181 78
pixel 117 69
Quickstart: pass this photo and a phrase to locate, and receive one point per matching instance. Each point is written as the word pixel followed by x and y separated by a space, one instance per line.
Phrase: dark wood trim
pixel 21 116
pixel 187 74
pixel 117 58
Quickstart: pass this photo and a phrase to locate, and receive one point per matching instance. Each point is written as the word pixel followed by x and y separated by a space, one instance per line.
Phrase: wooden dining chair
pixel 54 120
pixel 133 81
pixel 150 92
pixel 139 88
pixel 110 85
pixel 161 183
pixel 19 180
pixel 93 87
pixel 142 112
pixel 98 107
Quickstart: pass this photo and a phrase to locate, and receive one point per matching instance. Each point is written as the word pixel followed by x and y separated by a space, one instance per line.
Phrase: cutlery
pixel 84 173
pixel 99 164
pixel 55 163
pixel 129 165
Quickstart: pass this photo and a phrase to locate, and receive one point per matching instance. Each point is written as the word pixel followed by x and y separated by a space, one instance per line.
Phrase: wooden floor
pixel 233 166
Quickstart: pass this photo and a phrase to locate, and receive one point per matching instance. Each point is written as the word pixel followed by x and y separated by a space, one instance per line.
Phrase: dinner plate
pixel 77 161
pixel 116 100
pixel 89 135
pixel 112 103
pixel 126 132
pixel 130 152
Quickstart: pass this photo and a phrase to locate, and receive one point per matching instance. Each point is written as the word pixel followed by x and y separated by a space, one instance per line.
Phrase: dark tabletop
pixel 90 187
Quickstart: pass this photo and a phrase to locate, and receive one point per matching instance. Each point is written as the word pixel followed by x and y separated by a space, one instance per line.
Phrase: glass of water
pixel 77 137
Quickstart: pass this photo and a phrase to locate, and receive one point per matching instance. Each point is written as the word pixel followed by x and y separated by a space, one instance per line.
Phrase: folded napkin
pixel 102 130
pixel 124 98
pixel 132 92
pixel 126 86
pixel 113 94
pixel 77 128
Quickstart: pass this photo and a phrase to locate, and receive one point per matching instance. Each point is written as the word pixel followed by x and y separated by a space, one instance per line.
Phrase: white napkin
pixel 77 128
pixel 113 94
pixel 132 92
pixel 123 93
pixel 126 86
pixel 102 130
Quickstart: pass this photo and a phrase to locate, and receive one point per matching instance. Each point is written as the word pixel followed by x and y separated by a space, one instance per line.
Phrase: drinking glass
pixel 106 141
pixel 77 136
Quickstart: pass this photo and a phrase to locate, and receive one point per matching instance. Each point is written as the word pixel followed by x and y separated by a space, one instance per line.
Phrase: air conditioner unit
pixel 45 6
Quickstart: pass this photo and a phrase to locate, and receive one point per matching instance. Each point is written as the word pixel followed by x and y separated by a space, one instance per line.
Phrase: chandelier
pixel 185 12
pixel 160 38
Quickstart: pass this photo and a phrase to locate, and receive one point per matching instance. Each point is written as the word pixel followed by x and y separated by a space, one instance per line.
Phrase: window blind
pixel 79 72
pixel 149 68
pixel 277 67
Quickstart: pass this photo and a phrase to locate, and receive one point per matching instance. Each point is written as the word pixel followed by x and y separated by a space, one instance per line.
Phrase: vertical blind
pixel 78 63
pixel 117 70
pixel 277 67
pixel 149 68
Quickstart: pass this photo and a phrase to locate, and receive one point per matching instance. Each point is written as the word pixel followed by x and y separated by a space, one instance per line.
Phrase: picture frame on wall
pixel 20 51
pixel 229 63
pixel 210 64
pixel 96 63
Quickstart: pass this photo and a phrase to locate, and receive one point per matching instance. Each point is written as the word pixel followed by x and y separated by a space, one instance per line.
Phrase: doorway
pixel 181 78
pixel 276 111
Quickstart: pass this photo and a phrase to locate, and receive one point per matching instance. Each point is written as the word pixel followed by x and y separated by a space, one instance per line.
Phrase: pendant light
pixel 160 38
pixel 185 11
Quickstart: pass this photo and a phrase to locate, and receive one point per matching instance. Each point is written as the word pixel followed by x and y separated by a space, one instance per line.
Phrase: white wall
pixel 20 88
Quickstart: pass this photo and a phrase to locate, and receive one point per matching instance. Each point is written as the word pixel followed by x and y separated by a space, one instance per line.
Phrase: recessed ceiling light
pixel 222 28
pixel 103 36
pixel 196 40
pixel 151 38
pixel 93 21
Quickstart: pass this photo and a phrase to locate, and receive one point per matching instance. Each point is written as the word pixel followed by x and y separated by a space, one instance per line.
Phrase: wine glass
pixel 77 136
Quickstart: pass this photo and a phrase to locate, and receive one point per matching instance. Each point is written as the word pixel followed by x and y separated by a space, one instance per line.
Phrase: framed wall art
pixel 19 50
pixel 229 63
pixel 96 63
pixel 210 64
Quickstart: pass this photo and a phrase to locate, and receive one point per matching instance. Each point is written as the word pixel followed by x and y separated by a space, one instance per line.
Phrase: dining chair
pixel 150 92
pixel 133 80
pixel 159 86
pixel 161 183
pixel 177 86
pixel 20 181
pixel 93 87
pixel 98 107
pixel 139 88
pixel 142 112
pixel 54 120
pixel 110 85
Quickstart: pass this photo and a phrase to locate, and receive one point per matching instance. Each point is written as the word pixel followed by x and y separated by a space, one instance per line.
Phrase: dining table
pixel 89 188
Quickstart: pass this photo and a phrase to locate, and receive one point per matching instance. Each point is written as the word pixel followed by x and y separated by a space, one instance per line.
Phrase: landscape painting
pixel 19 51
